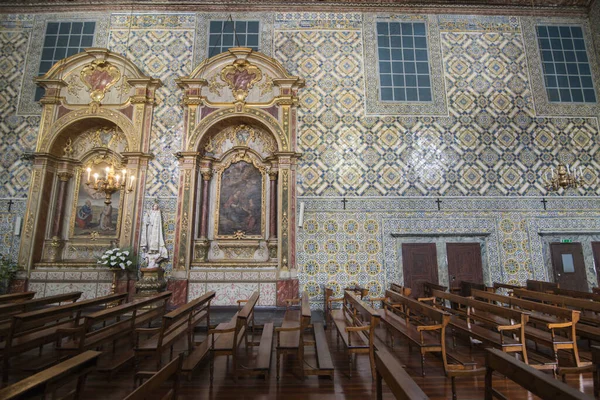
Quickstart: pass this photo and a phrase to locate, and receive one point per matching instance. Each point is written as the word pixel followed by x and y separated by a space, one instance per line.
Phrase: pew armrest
pixel 213 331
pixel 508 327
pixel 560 325
pixel 421 328
pixel 357 328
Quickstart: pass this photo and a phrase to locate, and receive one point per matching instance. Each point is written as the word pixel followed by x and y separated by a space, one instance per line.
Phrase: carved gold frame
pixel 79 171
pixel 232 158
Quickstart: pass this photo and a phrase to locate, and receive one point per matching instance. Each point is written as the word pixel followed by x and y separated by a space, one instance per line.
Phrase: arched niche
pixel 97 111
pixel 240 121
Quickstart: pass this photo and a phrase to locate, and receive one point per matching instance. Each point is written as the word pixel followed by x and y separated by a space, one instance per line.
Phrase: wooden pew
pixel 175 324
pixel 550 317
pixel 500 327
pixel 529 378
pixel 466 287
pixel 596 290
pixel 400 383
pixel 109 325
pixel 16 297
pixel 290 336
pixel 541 286
pixel 403 290
pixel 590 310
pixel 596 370
pixel 577 294
pixel 10 309
pixel 227 337
pixel 36 328
pixel 152 387
pixel 422 325
pixel 429 287
pixel 355 323
pixel 47 381
pixel 507 286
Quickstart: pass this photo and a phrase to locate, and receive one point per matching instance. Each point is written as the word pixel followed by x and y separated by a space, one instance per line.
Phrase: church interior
pixel 347 199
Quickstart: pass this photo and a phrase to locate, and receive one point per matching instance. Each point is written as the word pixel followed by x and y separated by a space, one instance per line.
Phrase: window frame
pixel 404 75
pixel 546 77
pixel 210 54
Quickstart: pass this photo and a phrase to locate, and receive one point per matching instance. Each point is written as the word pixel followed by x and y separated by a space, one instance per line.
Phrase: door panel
pixel 464 264
pixel 596 251
pixel 419 264
pixel 568 266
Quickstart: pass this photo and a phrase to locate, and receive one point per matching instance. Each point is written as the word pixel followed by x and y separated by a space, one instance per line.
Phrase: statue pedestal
pixel 152 282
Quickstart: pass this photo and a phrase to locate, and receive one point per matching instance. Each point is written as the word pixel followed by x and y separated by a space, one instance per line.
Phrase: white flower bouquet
pixel 117 258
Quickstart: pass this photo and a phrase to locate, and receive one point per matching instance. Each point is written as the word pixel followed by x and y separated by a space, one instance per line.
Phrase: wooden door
pixel 420 265
pixel 464 264
pixel 596 251
pixel 568 266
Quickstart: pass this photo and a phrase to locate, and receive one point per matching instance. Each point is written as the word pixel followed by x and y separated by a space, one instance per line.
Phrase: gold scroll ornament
pixel 99 76
pixel 241 77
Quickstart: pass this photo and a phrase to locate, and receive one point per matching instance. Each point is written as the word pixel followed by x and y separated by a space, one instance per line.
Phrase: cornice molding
pixel 510 7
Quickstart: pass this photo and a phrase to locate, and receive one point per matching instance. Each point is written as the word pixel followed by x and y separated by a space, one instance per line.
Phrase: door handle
pixel 558 275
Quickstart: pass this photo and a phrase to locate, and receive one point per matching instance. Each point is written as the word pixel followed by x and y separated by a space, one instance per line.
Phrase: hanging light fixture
pixel 564 177
pixel 110 183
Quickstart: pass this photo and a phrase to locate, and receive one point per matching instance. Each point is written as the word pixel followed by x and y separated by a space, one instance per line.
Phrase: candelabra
pixel 564 177
pixel 110 183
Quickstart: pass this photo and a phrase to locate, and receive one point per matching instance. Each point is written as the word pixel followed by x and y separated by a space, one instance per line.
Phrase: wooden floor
pixel 359 386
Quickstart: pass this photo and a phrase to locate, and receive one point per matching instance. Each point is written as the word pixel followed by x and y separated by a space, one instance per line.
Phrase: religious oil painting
pixel 90 212
pixel 241 200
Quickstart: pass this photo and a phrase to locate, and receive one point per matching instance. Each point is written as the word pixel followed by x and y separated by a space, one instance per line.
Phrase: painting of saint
pixel 91 214
pixel 241 200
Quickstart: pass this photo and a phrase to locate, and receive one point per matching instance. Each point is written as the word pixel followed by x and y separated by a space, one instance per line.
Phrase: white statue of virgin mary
pixel 153 242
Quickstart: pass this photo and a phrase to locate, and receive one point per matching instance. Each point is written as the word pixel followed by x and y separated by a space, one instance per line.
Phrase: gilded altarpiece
pixel 97 111
pixel 237 183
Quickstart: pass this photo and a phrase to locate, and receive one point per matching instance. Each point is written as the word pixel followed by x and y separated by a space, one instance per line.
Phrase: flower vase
pixel 113 287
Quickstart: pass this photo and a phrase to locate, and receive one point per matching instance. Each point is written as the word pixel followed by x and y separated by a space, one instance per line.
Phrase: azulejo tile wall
pixel 491 134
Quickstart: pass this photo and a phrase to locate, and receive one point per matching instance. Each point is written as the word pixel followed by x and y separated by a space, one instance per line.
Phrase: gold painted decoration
pixel 241 77
pixel 99 76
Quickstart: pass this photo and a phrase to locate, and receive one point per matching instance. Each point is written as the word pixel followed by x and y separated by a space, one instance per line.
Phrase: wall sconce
pixel 110 183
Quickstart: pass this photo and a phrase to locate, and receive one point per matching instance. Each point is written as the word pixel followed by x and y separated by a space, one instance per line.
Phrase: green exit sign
pixel 566 241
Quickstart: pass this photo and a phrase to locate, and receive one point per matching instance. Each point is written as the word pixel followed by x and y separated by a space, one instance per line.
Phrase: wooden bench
pixel 577 294
pixel 10 309
pixel 403 290
pixel 149 389
pixel 108 325
pixel 596 370
pixel 16 297
pixel 179 322
pixel 47 381
pixel 290 336
pixel 507 286
pixel 398 380
pixel 355 323
pixel 227 337
pixel 422 325
pixel 429 287
pixel 529 378
pixel 500 327
pixel 551 318
pixel 541 286
pixel 36 328
pixel 466 287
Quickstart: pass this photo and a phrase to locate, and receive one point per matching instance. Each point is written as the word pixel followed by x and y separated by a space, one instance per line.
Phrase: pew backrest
pixel 52 377
pixel 16 297
pixel 398 380
pixel 149 389
pixel 182 317
pixel 577 294
pixel 560 312
pixel 541 286
pixel 414 307
pixel 403 290
pixel 429 287
pixel 40 318
pixel 537 382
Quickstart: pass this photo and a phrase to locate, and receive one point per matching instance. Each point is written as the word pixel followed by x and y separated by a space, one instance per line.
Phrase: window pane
pixel 63 39
pixel 567 262
pixel 565 64
pixel 403 79
pixel 226 34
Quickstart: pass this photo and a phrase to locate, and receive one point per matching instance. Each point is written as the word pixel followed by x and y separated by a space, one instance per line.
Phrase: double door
pixel 420 264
